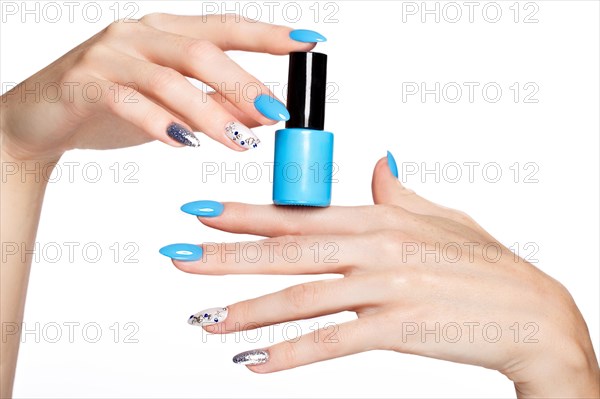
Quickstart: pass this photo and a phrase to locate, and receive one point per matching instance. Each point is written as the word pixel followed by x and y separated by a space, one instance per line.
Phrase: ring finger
pixel 175 92
pixel 298 302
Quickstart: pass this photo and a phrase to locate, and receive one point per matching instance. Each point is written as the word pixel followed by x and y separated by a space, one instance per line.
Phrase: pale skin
pixel 141 69
pixel 394 288
pixel 155 54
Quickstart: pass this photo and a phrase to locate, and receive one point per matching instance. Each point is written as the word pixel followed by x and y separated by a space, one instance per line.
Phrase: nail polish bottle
pixel 303 150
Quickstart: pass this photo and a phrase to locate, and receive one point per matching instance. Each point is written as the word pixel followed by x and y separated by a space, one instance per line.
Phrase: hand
pixel 126 86
pixel 409 265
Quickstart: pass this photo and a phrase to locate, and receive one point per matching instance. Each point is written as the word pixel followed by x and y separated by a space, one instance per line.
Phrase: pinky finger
pixel 327 343
pixel 155 121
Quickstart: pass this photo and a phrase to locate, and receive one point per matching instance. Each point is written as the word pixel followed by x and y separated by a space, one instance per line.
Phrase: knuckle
pixel 93 55
pixel 196 49
pixel 328 341
pixel 73 75
pixel 391 242
pixel 276 31
pixel 152 19
pixel 149 121
pixel 303 296
pixel 389 213
pixel 288 353
pixel 116 29
pixel 294 220
pixel 109 98
pixel 162 78
pixel 287 249
pixel 463 217
pixel 400 279
pixel 231 18
pixel 243 316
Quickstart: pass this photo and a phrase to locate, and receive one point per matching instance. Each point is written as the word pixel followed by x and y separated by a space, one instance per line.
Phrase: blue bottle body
pixel 303 167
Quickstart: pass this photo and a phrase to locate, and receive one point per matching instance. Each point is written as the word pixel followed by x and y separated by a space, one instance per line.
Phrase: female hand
pixel 422 279
pixel 126 86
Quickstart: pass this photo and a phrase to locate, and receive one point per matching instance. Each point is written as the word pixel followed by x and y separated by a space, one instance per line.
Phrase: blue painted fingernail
pixel 207 209
pixel 271 108
pixel 307 36
pixel 392 164
pixel 183 252
pixel 182 135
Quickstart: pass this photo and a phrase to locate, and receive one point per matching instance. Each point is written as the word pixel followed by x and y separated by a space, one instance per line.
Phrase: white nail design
pixel 208 317
pixel 241 135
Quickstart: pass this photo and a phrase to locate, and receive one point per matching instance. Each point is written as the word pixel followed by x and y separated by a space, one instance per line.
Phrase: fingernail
pixel 208 317
pixel 207 209
pixel 251 358
pixel 307 36
pixel 392 164
pixel 183 252
pixel 271 108
pixel 182 135
pixel 241 135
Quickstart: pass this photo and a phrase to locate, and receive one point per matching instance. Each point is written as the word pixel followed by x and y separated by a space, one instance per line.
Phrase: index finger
pixel 273 221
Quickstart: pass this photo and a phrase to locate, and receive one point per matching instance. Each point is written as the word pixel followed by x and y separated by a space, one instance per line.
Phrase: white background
pixel 372 52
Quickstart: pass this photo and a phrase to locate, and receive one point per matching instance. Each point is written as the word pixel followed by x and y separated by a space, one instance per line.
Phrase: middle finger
pixel 203 60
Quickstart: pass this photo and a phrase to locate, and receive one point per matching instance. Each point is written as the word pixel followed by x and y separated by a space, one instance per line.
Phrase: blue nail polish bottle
pixel 303 150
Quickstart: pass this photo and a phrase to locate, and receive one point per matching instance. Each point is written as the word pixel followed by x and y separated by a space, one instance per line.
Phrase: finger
pixel 387 189
pixel 282 255
pixel 327 343
pixel 230 32
pixel 233 110
pixel 172 90
pixel 271 220
pixel 299 302
pixel 205 61
pixel 151 119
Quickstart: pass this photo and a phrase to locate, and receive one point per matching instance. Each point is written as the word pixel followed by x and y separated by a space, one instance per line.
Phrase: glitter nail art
pixel 251 358
pixel 241 135
pixel 208 317
pixel 182 135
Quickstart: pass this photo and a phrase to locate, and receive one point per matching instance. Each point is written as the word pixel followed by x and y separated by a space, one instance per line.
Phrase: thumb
pixel 387 189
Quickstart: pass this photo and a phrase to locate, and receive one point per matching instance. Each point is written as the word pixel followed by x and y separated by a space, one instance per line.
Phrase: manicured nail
pixel 207 209
pixel 208 317
pixel 392 164
pixel 182 135
pixel 251 358
pixel 241 135
pixel 271 108
pixel 183 252
pixel 307 36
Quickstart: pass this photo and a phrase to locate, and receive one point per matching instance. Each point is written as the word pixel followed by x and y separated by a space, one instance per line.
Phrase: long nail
pixel 251 358
pixel 271 108
pixel 241 135
pixel 183 252
pixel 182 135
pixel 392 164
pixel 307 36
pixel 208 317
pixel 207 209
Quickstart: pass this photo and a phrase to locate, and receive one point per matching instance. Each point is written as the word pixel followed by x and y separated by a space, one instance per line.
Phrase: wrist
pixel 24 169
pixel 14 150
pixel 571 370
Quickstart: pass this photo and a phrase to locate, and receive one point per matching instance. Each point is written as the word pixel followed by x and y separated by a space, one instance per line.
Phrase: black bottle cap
pixel 307 85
